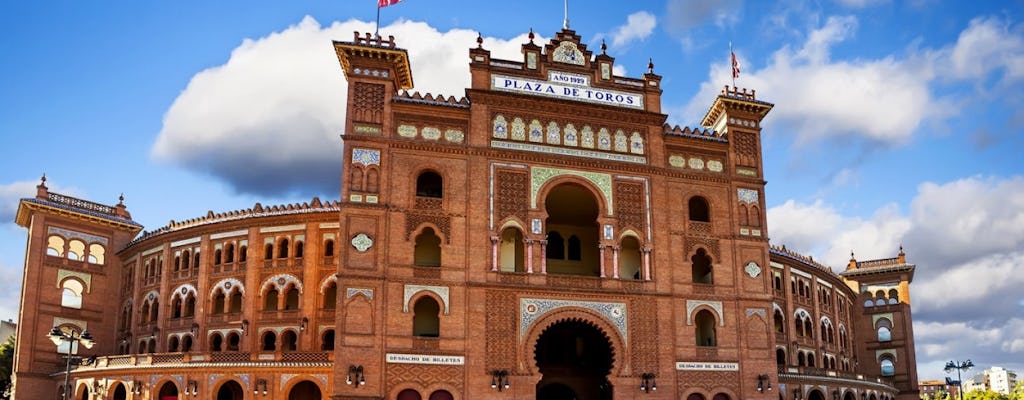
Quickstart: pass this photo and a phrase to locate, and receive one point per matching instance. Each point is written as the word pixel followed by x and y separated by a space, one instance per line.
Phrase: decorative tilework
pixel 280 281
pixel 758 311
pixel 68 234
pixel 568 53
pixel 530 310
pixel 366 156
pixel 82 276
pixel 540 148
pixel 747 195
pixel 454 135
pixel 609 232
pixel 693 304
pixel 362 242
pixel 518 129
pixel 540 175
pixel 411 290
pixel 285 378
pixel 571 138
pixel 500 127
pixel 431 133
pixel 677 161
pixel 354 291
pixel 327 281
pixel 696 163
pixel 587 139
pixel 407 131
pixel 536 226
pixel 183 290
pixel 226 285
pixel 536 133
pixel 752 269
pixel 715 166
pixel 554 133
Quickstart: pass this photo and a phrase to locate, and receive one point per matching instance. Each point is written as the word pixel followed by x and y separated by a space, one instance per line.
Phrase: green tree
pixel 6 366
pixel 984 395
pixel 1018 391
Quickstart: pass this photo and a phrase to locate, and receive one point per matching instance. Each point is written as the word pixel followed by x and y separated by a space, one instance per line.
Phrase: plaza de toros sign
pixel 567 86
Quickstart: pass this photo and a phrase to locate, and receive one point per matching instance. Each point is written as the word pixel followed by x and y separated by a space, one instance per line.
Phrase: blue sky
pixel 896 122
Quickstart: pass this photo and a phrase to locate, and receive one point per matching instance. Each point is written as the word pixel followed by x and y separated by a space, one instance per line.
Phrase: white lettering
pixel 568 87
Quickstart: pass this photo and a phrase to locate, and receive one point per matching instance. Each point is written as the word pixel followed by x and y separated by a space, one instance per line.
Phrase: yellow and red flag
pixel 385 3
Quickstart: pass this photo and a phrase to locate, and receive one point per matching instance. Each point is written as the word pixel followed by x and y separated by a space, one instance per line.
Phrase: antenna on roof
pixel 565 22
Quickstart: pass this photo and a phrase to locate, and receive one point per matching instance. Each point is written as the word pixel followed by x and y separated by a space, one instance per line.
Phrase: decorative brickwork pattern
pixel 424 375
pixel 708 380
pixel 414 220
pixel 630 205
pixel 711 244
pixel 746 148
pixel 643 321
pixel 368 102
pixel 513 186
pixel 501 330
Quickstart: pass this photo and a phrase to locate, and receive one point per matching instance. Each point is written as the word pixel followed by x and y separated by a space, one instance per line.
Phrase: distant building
pixel 8 328
pixel 996 379
pixel 936 389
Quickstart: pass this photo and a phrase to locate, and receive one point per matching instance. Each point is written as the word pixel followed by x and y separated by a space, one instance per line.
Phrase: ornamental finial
pixel 650 65
pixel 531 35
pixel 479 41
pixel 603 47
pixel 120 200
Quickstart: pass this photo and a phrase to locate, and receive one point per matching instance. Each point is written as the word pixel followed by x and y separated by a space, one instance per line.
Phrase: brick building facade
pixel 546 236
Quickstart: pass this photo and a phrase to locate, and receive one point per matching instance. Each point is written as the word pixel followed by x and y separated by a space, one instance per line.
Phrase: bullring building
pixel 546 236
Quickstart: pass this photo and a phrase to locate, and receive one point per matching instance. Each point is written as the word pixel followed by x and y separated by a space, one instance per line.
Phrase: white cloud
pixel 684 15
pixel 817 97
pixel 639 26
pixel 986 45
pixel 12 193
pixel 10 290
pixel 860 3
pixel 268 120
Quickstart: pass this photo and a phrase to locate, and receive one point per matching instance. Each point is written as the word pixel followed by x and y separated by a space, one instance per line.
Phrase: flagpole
pixel 377 27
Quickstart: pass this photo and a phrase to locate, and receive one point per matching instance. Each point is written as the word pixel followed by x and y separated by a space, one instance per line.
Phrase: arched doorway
pixel 168 392
pixel 441 395
pixel 120 393
pixel 695 396
pixel 304 390
pixel 574 359
pixel 572 231
pixel 85 393
pixel 409 394
pixel 230 390
pixel 721 396
pixel 815 395
pixel 849 396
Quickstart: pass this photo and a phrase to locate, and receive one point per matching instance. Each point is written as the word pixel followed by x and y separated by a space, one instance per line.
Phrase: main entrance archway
pixel 120 393
pixel 574 359
pixel 304 390
pixel 230 390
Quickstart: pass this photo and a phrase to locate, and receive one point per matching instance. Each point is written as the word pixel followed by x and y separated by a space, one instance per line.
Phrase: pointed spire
pixel 902 257
pixel 120 199
pixel 531 35
pixel 650 65
pixel 42 192
pixel 603 48
pixel 479 41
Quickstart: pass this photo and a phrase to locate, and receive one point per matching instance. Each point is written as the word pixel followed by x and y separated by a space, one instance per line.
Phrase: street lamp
pixel 962 366
pixel 58 336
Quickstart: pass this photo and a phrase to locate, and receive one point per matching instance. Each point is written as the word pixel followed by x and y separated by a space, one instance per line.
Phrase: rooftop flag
pixel 385 3
pixel 735 65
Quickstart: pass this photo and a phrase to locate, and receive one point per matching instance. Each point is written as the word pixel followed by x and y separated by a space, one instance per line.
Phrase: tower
pixel 885 342
pixel 70 282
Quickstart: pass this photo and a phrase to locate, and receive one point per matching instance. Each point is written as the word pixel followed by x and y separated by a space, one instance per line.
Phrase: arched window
pixel 801 360
pixel 426 318
pixel 755 216
pixel 744 218
pixel 76 250
pixel 217 256
pixel 441 395
pixel 289 341
pixel 282 248
pixel 511 251
pixel 299 248
pixel 55 246
pixel 555 249
pixel 269 341
pixel 780 356
pixel 218 303
pixel 701 268
pixel 429 184
pixel 233 341
pixel 186 343
pixel 884 330
pixel 888 366
pixel 704 327
pixel 268 251
pixel 629 259
pixel 176 307
pixel 699 210
pixel 152 346
pixel 216 342
pixel 810 359
pixel 71 294
pixel 229 253
pixel 243 253
pixel 235 305
pixel 186 258
pixel 96 253
pixel 575 252
pixel 327 340
pixel 270 300
pixel 780 324
pixel 428 249
pixel 328 248
pixel 190 306
pixel 808 328
pixel 195 260
pixel 172 344
pixel 154 311
pixel 331 296
pixel 291 298
pixel 894 296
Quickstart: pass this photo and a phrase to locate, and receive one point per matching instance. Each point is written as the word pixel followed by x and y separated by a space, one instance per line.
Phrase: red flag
pixel 735 65
pixel 385 3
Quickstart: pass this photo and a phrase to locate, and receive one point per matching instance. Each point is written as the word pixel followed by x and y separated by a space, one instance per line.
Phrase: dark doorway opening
pixel 304 390
pixel 230 390
pixel 574 359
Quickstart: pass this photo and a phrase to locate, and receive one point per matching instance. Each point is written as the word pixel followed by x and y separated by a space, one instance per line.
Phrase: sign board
pixel 566 86
pixel 706 366
pixel 431 359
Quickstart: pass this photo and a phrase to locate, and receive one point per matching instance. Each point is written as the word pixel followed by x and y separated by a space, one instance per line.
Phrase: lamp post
pixel 58 336
pixel 961 366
